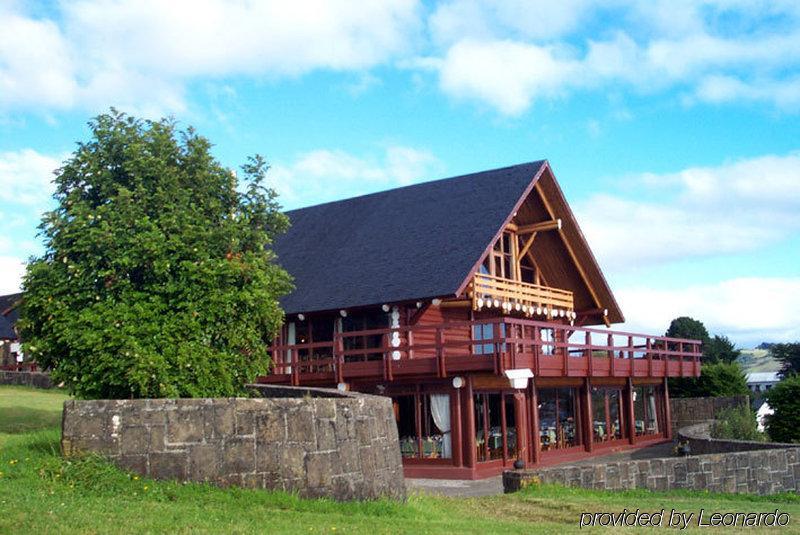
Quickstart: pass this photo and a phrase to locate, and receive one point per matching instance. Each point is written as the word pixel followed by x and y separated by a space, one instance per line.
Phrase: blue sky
pixel 672 126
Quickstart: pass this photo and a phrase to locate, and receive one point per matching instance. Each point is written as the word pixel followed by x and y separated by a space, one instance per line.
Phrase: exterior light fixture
pixel 458 382
pixel 496 303
pixel 343 313
pixel 480 302
pixel 436 302
pixel 301 317
pixel 519 377
pixel 385 308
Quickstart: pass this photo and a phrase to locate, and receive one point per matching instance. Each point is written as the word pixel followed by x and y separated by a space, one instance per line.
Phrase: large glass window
pixel 364 321
pixel 607 414
pixel 495 426
pixel 558 427
pixel 485 331
pixel 423 425
pixel 645 410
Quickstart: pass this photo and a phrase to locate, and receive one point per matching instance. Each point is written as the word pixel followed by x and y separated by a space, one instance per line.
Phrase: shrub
pixel 716 380
pixel 737 423
pixel 784 399
pixel 157 278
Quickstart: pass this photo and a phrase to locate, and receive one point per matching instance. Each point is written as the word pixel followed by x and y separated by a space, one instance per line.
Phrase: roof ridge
pixel 536 163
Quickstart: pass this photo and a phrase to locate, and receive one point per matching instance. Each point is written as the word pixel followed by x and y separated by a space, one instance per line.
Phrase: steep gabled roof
pixel 424 241
pixel 403 244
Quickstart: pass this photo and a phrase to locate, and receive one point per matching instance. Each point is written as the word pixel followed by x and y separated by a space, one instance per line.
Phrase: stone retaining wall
pixel 690 411
pixel 757 472
pixel 315 442
pixel 33 379
pixel 699 438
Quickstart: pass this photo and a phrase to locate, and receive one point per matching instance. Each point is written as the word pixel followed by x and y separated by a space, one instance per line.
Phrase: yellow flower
pixel 145 487
pixel 136 478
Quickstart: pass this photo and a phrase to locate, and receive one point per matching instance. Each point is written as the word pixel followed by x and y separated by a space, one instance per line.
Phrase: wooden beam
pixel 555 224
pixel 527 245
pixel 572 255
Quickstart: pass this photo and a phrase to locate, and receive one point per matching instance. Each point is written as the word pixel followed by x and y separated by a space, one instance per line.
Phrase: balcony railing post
pixel 610 352
pixel 338 356
pixel 537 350
pixel 630 350
pixel 649 345
pixel 559 336
pixel 387 358
pixel 440 355
pixel 587 339
pixel 295 367
pixel 696 359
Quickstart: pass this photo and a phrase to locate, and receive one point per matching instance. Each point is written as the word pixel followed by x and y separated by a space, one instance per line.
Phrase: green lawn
pixel 41 493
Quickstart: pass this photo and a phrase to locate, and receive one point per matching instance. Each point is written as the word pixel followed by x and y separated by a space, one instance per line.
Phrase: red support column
pixel 588 420
pixel 536 442
pixel 522 428
pixel 455 428
pixel 631 416
pixel 469 426
pixel 667 411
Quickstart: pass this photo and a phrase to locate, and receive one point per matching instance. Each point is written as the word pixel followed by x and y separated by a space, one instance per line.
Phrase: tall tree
pixel 158 278
pixel 686 327
pixel 789 357
pixel 716 380
pixel 720 349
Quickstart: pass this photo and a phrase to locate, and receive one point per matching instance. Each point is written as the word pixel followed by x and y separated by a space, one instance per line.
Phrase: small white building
pixel 763 411
pixel 759 382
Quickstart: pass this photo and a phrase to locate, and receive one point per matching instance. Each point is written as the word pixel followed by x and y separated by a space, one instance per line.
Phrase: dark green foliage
pixel 720 349
pixel 716 380
pixel 158 279
pixel 789 357
pixel 737 423
pixel 784 399
pixel 686 327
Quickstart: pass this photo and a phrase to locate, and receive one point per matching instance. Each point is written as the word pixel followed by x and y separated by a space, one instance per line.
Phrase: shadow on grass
pixel 18 420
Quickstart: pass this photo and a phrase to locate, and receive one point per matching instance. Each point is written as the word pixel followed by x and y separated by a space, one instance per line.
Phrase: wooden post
pixel 441 369
pixel 588 420
pixel 469 427
pixel 496 347
pixel 338 356
pixel 649 358
pixel 631 412
pixel 295 370
pixel 558 336
pixel 667 411
pixel 522 428
pixel 696 359
pixel 630 351
pixel 455 428
pixel 535 443
pixel 537 349
pixel 610 353
pixel 587 340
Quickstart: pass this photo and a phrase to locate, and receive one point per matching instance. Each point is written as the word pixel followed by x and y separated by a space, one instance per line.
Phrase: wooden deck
pixel 497 345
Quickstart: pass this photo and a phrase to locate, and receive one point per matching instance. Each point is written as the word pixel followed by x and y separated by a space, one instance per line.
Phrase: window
pixel 495 426
pixel 485 331
pixel 423 425
pixel 558 427
pixel 646 410
pixel 364 321
pixel 607 414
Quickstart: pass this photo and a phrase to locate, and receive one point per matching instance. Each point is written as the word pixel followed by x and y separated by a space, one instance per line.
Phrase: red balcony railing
pixel 492 345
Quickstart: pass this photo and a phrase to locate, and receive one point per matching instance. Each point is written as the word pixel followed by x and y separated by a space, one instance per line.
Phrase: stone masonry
pixel 33 379
pixel 689 411
pixel 316 442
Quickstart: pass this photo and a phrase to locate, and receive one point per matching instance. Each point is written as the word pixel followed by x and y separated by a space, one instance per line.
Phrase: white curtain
pixel 440 410
pixel 651 398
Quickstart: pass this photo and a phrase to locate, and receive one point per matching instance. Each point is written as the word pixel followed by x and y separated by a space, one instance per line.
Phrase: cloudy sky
pixel 672 125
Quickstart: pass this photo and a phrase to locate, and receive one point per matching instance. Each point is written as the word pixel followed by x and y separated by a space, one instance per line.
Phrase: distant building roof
pixel 8 307
pixel 763 377
pixel 6 330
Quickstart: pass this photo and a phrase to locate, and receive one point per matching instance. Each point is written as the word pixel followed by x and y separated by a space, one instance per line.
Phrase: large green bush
pixel 784 399
pixel 158 279
pixel 716 380
pixel 737 423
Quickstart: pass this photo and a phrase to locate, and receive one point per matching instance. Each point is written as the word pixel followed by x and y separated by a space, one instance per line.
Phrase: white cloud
pixel 326 175
pixel 749 310
pixel 11 271
pixel 510 61
pixel 26 177
pixel 698 212
pixel 141 53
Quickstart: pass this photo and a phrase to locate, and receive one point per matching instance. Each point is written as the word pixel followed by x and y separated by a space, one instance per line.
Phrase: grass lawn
pixel 41 493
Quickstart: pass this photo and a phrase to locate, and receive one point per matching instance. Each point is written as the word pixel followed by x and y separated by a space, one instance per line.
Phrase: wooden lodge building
pixel 476 304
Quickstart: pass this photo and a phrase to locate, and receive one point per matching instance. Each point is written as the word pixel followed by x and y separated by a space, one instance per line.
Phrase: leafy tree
pixel 686 327
pixel 784 399
pixel 789 357
pixel 716 380
pixel 720 349
pixel 158 278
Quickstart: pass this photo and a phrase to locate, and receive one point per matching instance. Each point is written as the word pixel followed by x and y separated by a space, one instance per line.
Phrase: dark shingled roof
pixel 404 244
pixel 9 308
pixel 6 332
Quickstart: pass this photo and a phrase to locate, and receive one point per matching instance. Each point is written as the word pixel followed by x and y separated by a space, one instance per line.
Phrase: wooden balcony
pixel 488 291
pixel 493 345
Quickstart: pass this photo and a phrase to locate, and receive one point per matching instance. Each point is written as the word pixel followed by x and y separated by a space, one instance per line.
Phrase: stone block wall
pixel 316 442
pixel 699 438
pixel 690 411
pixel 755 472
pixel 34 379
